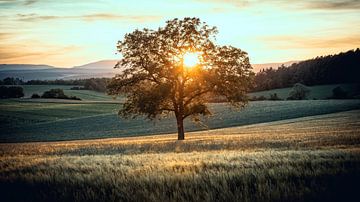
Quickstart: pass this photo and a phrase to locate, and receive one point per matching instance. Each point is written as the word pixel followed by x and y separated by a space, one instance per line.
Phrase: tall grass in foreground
pixel 205 176
pixel 307 159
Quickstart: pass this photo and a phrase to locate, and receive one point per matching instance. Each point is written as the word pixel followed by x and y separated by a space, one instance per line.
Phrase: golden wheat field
pixel 314 158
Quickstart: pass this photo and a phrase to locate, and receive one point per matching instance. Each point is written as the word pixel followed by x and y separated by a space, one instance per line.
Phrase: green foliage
pixel 11 92
pixel 58 94
pixel 331 69
pixel 339 93
pixel 54 93
pixel 299 92
pixel 156 82
pixel 35 96
pixel 274 96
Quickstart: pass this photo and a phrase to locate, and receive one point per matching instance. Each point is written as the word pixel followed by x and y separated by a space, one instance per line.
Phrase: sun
pixel 191 59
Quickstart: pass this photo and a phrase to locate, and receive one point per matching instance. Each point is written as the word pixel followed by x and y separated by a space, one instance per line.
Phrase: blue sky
pixel 69 33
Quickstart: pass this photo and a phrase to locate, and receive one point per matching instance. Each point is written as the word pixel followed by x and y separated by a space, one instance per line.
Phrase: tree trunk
pixel 180 127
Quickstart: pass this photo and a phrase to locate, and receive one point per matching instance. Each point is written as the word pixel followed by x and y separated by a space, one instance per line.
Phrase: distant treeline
pixel 96 84
pixel 332 69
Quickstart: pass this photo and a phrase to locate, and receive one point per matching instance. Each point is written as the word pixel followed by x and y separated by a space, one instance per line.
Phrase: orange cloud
pixel 25 54
pixel 295 42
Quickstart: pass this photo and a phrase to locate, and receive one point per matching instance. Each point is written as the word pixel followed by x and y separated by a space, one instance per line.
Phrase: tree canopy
pixel 156 80
pixel 331 69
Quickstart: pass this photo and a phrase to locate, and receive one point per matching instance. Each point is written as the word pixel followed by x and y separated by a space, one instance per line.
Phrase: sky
pixel 66 33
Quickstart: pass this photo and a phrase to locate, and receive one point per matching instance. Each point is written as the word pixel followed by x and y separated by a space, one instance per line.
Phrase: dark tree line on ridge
pixel 331 69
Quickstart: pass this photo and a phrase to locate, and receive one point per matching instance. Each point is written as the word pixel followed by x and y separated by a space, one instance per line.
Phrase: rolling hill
pixel 26 72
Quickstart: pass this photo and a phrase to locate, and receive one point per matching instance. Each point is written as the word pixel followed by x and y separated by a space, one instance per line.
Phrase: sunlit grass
pixel 311 158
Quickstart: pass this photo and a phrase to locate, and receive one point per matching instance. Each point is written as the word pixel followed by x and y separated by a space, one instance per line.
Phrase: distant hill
pixel 100 65
pixel 9 67
pixel 104 68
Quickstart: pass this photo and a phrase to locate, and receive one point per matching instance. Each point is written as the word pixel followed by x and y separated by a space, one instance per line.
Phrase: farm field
pixel 316 92
pixel 82 94
pixel 51 120
pixel 314 158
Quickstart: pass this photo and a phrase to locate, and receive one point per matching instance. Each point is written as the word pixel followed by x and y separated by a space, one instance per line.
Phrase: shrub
pixel 274 97
pixel 11 92
pixel 35 95
pixel 339 93
pixel 74 98
pixel 58 94
pixel 299 92
pixel 54 93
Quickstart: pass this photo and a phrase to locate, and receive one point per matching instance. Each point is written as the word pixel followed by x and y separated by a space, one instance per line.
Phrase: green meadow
pixel 316 92
pixel 95 116
pixel 28 120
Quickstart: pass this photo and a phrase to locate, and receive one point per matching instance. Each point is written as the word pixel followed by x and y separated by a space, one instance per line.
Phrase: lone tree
pixel 175 68
pixel 299 92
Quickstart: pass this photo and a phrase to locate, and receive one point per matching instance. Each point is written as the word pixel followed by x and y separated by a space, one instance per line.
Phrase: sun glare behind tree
pixel 191 59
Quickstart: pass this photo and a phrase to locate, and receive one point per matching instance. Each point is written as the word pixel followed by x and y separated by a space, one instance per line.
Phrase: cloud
pixel 90 17
pixel 105 16
pixel 12 3
pixel 13 52
pixel 29 2
pixel 305 4
pixel 5 36
pixel 237 3
pixel 333 5
pixel 297 42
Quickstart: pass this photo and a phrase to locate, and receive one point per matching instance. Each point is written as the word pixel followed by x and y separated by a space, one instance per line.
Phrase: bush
pixel 58 94
pixel 11 92
pixel 35 95
pixel 74 98
pixel 339 93
pixel 54 93
pixel 299 92
pixel 274 97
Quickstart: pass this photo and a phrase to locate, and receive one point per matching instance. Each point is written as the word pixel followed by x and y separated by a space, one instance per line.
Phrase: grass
pixel 82 94
pixel 315 158
pixel 316 92
pixel 28 120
